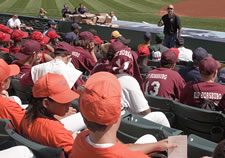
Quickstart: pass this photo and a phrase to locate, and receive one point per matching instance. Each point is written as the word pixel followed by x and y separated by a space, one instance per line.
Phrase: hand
pixel 71 111
pixel 5 94
pixel 91 46
pixel 164 145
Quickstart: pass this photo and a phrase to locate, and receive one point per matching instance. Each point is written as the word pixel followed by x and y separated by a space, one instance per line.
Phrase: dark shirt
pixel 171 24
pixel 67 12
pixel 189 73
pixel 144 69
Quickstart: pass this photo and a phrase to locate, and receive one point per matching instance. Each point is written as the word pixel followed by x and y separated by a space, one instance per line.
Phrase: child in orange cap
pixel 52 96
pixel 100 105
pixel 8 108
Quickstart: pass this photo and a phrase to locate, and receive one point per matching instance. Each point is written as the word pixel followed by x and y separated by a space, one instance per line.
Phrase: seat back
pixel 5 140
pixel 40 151
pixel 204 123
pixel 157 103
pixel 23 92
pixel 133 127
pixel 199 147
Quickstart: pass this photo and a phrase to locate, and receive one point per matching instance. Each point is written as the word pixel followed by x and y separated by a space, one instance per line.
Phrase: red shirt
pixel 48 132
pixel 82 60
pixel 11 110
pixel 4 50
pixel 81 148
pixel 194 92
pixel 164 82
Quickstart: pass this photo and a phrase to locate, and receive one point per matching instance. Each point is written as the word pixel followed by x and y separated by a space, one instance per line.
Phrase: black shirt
pixel 171 24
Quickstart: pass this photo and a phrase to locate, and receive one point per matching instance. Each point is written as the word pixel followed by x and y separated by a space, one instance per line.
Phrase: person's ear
pixel 45 103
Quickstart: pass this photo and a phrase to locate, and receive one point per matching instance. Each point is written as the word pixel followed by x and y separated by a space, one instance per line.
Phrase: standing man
pixel 171 24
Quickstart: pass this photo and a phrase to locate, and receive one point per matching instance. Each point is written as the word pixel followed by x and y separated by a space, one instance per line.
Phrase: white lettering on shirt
pixel 76 54
pixel 207 95
pixel 125 53
pixel 159 76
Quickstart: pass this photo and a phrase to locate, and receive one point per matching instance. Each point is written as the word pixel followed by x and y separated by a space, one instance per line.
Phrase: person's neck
pixel 61 58
pixel 105 137
pixel 26 62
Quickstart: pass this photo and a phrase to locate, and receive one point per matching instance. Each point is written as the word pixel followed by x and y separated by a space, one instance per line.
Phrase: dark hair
pixel 60 53
pixel 92 126
pixel 36 109
pixel 219 151
pixel 82 43
pixel 166 65
pixel 141 59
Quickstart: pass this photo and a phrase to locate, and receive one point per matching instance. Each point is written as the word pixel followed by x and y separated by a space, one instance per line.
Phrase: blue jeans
pixel 170 40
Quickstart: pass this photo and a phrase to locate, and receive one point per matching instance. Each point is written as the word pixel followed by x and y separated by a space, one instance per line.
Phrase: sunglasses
pixel 170 8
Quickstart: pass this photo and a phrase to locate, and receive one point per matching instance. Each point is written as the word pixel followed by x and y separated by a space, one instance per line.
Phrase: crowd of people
pixel 54 67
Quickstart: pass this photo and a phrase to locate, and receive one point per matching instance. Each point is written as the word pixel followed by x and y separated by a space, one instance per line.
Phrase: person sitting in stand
pixel 76 11
pixel 143 57
pixel 100 105
pixel 17 36
pixel 147 39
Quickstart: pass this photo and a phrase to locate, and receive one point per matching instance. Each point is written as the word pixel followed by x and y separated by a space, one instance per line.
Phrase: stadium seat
pixel 164 105
pixel 204 123
pixel 23 92
pixel 133 127
pixel 40 151
pixel 198 147
pixel 5 140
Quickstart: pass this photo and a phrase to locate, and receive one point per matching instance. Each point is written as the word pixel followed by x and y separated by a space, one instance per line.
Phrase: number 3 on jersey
pixel 155 90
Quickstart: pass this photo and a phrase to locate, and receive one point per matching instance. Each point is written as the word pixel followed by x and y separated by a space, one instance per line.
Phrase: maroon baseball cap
pixel 116 46
pixel 208 66
pixel 28 48
pixel 38 36
pixel 18 35
pixel 4 37
pixel 64 47
pixel 169 57
pixel 5 29
pixel 86 35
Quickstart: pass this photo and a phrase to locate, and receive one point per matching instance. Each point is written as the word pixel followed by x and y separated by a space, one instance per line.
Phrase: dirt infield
pixel 198 8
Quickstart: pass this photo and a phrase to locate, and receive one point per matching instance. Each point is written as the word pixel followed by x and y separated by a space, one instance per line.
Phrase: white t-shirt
pixel 132 99
pixel 12 22
pixel 57 66
pixel 185 54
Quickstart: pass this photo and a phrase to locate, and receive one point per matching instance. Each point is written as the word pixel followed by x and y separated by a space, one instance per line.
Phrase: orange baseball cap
pixel 7 70
pixel 38 36
pixel 55 87
pixel 100 101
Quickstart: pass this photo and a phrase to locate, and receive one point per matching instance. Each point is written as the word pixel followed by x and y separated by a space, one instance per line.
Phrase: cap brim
pixel 25 34
pixel 21 56
pixel 65 97
pixel 58 36
pixel 14 70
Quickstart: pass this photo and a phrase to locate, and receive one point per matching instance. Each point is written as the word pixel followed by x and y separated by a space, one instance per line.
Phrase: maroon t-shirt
pixel 164 82
pixel 24 69
pixel 82 60
pixel 194 92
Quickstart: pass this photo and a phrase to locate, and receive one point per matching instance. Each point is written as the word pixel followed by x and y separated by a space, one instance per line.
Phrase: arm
pixel 92 50
pixel 145 112
pixel 161 23
pixel 151 147
pixel 179 32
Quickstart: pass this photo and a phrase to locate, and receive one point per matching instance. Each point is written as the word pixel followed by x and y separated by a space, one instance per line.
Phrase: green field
pixel 130 10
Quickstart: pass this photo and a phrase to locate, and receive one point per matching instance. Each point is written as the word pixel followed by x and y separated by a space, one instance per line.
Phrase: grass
pixel 130 10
